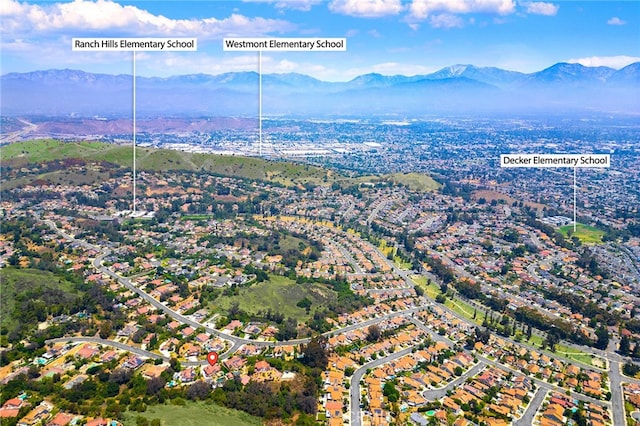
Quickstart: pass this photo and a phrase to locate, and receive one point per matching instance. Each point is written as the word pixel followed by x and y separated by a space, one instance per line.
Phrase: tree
pixel 308 404
pixel 234 311
pixel 625 346
pixel 389 390
pixel 304 303
pixel 120 376
pixel 305 420
pixel 630 369
pixel 373 333
pixel 105 329
pixel 198 390
pixel 602 340
pixel 138 335
pixel 482 335
pixel 636 351
pixel 155 385
pixel 315 353
pixel 288 330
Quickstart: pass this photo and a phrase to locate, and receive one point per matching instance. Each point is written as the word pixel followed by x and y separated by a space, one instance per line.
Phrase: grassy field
pixel 490 195
pixel 415 181
pixel 18 281
pixel 285 173
pixel 193 414
pixel 562 351
pixel 464 310
pixel 45 150
pixel 587 234
pixel 431 290
pixel 281 295
pixel 196 217
pixel 405 266
pixel 384 248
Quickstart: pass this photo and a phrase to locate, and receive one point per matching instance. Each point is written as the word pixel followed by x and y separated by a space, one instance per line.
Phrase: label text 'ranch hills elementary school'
pixel 134 44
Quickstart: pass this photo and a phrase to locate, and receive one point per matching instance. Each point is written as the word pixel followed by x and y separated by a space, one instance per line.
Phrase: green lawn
pixel 562 351
pixel 405 266
pixel 384 248
pixel 281 295
pixel 431 290
pixel 464 309
pixel 197 217
pixel 587 234
pixel 193 414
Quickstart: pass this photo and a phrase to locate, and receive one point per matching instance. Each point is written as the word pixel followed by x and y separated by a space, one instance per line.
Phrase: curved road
pixel 129 348
pixel 617 403
pixel 237 342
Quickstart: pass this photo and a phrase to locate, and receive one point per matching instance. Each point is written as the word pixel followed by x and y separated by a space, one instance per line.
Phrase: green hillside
pixel 31 289
pixel 193 414
pixel 415 181
pixel 289 174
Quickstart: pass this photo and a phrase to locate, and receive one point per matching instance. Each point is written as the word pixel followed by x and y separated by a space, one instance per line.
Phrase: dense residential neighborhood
pixel 367 302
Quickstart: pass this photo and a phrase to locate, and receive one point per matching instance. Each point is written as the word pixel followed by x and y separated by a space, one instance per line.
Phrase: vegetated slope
pixel 280 295
pixel 289 174
pixel 194 414
pixel 28 294
pixel 414 181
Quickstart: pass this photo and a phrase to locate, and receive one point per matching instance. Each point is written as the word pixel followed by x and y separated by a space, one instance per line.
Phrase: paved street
pixel 354 390
pixel 532 408
pixel 616 378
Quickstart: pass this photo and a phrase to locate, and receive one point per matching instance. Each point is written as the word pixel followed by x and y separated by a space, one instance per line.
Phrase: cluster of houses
pixel 559 408
pixel 587 381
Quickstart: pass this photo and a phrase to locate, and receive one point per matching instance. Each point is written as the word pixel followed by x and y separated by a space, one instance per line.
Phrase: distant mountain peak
pixel 458 69
pixel 460 87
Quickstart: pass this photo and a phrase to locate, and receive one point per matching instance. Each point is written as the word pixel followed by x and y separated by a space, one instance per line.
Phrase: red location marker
pixel 212 357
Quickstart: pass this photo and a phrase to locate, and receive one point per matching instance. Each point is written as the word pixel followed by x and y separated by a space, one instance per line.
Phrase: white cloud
pixel 616 62
pixel 366 8
pixel 421 9
pixel 445 20
pixel 102 15
pixel 178 63
pixel 303 5
pixel 616 21
pixel 54 53
pixel 541 8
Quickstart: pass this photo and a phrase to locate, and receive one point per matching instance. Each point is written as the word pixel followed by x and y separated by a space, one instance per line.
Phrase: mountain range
pixel 458 89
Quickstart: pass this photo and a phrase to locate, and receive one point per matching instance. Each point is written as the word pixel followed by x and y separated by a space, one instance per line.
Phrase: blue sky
pixel 384 36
